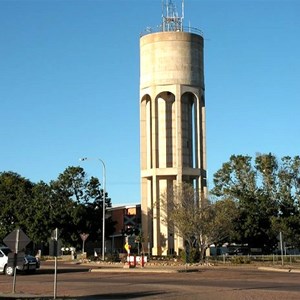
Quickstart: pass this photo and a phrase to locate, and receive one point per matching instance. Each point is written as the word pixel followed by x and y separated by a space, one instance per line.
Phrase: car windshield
pixel 5 250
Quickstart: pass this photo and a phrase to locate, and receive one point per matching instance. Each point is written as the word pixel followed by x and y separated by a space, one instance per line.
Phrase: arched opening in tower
pixel 190 130
pixel 166 139
pixel 146 132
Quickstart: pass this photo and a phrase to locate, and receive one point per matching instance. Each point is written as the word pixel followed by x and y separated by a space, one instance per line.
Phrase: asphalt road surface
pixel 209 283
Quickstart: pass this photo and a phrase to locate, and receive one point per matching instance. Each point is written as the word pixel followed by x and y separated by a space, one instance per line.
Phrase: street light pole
pixel 103 204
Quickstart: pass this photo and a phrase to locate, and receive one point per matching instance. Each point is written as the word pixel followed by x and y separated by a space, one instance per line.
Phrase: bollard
pixel 142 261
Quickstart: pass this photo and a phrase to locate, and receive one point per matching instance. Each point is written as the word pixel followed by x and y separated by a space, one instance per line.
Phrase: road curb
pixel 279 270
pixel 133 270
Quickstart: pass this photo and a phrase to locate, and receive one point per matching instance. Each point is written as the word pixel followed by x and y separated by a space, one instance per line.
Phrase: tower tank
pixel 168 58
pixel 172 124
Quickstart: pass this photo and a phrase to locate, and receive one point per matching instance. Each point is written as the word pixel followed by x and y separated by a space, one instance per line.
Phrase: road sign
pixel 129 220
pixel 16 259
pixel 54 234
pixel 16 240
pixel 127 248
pixel 84 236
pixel 55 244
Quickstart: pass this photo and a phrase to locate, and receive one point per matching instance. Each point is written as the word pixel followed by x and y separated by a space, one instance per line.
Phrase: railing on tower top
pixel 188 29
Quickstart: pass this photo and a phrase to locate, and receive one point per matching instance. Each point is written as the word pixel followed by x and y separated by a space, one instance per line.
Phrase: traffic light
pixel 129 231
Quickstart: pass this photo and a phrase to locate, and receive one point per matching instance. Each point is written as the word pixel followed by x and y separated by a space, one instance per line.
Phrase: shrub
pixel 192 257
pixel 113 257
pixel 240 260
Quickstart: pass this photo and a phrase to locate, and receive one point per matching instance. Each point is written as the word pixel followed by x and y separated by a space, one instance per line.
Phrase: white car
pixel 30 263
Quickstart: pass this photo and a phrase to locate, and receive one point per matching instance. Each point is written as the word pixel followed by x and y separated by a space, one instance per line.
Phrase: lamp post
pixel 103 206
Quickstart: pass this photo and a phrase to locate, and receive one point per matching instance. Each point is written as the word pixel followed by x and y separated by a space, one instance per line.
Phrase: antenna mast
pixel 171 20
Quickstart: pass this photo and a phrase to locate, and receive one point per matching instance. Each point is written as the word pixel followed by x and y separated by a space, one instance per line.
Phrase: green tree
pixel 288 199
pixel 72 203
pixel 189 215
pixel 78 206
pixel 222 224
pixel 15 195
pixel 267 195
pixel 39 214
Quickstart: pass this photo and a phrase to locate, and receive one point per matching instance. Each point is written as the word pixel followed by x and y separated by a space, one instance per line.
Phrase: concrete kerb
pixel 132 270
pixel 279 270
pixel 181 268
pixel 172 269
pixel 146 269
pixel 175 270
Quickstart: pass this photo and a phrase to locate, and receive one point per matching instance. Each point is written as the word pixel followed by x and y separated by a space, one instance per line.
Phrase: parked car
pixel 238 251
pixel 29 264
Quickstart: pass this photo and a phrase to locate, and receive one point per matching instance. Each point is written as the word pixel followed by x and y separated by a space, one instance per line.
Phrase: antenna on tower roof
pixel 171 20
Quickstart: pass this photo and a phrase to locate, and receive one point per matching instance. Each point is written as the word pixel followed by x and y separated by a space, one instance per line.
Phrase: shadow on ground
pixel 51 271
pixel 91 297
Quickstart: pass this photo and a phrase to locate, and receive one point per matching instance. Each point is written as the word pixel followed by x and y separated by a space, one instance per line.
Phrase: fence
pixel 273 259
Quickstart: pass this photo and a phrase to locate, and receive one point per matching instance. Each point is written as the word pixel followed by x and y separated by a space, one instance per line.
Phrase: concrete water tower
pixel 172 121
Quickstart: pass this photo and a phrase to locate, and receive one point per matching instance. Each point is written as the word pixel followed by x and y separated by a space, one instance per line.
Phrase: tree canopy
pixel 72 203
pixel 266 191
pixel 198 221
pixel 254 200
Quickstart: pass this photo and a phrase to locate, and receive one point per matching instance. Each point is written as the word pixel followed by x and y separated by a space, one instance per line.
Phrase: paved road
pixel 76 282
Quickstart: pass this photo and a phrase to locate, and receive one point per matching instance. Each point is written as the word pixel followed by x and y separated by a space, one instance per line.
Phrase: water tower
pixel 172 121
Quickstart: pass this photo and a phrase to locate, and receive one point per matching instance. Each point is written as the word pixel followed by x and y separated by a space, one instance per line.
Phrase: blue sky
pixel 69 84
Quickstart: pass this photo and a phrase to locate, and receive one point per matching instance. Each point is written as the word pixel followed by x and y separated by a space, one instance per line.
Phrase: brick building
pixel 128 227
